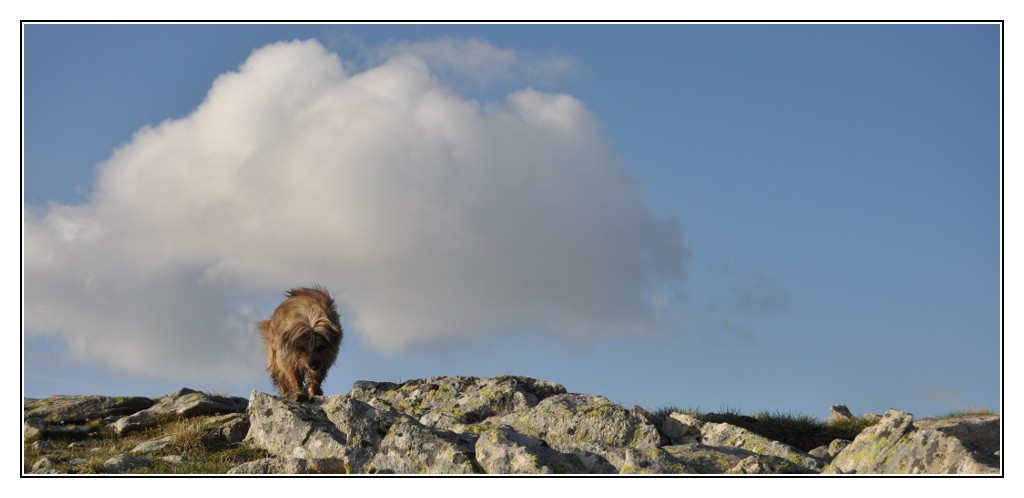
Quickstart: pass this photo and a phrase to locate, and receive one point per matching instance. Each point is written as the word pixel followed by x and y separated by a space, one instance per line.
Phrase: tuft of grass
pixel 972 412
pixel 204 453
pixel 799 431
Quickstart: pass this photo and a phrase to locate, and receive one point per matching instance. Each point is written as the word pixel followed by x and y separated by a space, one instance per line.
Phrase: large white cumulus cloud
pixel 429 215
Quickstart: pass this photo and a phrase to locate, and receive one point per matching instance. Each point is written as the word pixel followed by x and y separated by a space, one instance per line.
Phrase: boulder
pixel 981 431
pixel 840 412
pixel 682 428
pixel 43 447
pixel 604 436
pixel 728 435
pixel 33 428
pixel 65 410
pixel 229 429
pixel 702 459
pixel 293 429
pixel 152 446
pixel 122 464
pixel 410 447
pixel 828 453
pixel 896 446
pixel 42 465
pixel 450 402
pixel 285 465
pixel 184 402
pixel 503 450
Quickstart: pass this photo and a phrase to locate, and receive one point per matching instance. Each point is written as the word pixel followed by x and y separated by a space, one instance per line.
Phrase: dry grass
pixel 203 452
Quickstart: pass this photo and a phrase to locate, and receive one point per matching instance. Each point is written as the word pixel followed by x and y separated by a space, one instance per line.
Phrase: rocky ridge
pixel 499 425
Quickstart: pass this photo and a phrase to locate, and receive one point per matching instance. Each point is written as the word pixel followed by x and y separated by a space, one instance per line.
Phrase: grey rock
pixel 77 409
pixel 122 464
pixel 285 465
pixel 43 447
pixel 980 431
pixel 230 429
pixel 413 448
pixel 183 403
pixel 293 429
pixel 765 464
pixel 446 402
pixel 591 425
pixel 362 425
pixel 840 412
pixel 43 464
pixel 33 427
pixel 828 453
pixel 502 450
pixel 152 446
pixel 896 446
pixel 702 459
pixel 722 434
pixel 173 459
pixel 682 428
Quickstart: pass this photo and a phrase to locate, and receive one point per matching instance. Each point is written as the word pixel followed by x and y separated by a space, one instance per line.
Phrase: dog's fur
pixel 302 338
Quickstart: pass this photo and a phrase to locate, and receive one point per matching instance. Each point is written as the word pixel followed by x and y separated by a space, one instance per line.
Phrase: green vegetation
pixel 202 450
pixel 967 413
pixel 802 432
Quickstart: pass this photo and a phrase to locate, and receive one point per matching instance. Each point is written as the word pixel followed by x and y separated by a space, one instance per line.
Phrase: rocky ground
pixel 462 425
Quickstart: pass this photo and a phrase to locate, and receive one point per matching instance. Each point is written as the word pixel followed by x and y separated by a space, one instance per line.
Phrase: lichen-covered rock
pixel 895 446
pixel 981 431
pixel 503 450
pixel 591 425
pixel 184 402
pixel 366 439
pixel 284 465
pixel 293 429
pixel 765 464
pixel 569 419
pixel 64 410
pixel 363 426
pixel 702 459
pixel 447 402
pixel 413 448
pixel 723 434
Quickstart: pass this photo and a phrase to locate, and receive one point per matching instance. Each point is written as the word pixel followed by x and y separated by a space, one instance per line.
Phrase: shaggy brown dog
pixel 302 338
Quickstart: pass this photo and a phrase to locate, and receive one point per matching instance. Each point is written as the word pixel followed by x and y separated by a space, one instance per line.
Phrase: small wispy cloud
pixel 945 397
pixel 430 216
pixel 479 61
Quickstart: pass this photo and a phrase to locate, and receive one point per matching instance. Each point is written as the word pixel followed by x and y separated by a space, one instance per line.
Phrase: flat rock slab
pixel 78 409
pixel 184 402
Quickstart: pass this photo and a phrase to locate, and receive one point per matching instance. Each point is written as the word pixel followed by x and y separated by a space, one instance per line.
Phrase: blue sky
pixel 751 217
